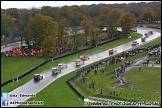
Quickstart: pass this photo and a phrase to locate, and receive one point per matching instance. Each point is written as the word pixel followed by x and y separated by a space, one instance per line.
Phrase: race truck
pixel 37 77
pixel 62 66
pixel 78 62
pixel 111 51
pixel 55 71
pixel 134 43
pixel 143 39
pixel 84 58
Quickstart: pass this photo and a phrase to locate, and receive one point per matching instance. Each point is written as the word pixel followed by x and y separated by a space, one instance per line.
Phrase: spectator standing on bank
pixel 152 64
pixel 139 68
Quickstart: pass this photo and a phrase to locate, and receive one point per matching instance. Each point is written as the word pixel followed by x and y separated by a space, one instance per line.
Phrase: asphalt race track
pixel 33 88
pixel 10 46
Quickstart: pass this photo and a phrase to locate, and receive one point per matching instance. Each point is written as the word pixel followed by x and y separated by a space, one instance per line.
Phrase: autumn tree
pixel 85 24
pixel 62 35
pixel 39 27
pixel 98 24
pixel 26 16
pixel 7 24
pixel 126 22
pixel 48 46
pixel 14 12
pixel 114 16
pixel 158 14
pixel 148 14
pixel 48 11
pixel 73 15
pixel 111 30
pixel 104 15
pixel 93 31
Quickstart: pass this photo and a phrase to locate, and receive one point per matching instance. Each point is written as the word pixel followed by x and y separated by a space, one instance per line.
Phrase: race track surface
pixel 32 87
pixel 10 46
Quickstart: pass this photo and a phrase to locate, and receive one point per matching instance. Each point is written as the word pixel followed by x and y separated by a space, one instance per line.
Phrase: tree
pixel 7 24
pixel 14 12
pixel 34 11
pixel 126 22
pixel 39 27
pixel 93 31
pixel 62 32
pixel 98 24
pixel 48 46
pixel 158 14
pixel 85 24
pixel 148 15
pixel 48 11
pixel 114 16
pixel 111 30
pixel 104 14
pixel 26 16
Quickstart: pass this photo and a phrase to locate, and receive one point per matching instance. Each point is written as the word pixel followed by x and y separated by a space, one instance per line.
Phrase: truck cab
pixel 84 58
pixel 134 43
pixel 55 70
pixel 111 51
pixel 78 62
pixel 37 77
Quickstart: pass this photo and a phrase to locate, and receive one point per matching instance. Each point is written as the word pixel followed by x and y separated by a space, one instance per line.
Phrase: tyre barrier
pixel 24 74
pixel 75 90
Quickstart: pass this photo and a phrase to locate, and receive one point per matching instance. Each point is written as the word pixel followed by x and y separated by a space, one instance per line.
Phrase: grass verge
pixel 12 67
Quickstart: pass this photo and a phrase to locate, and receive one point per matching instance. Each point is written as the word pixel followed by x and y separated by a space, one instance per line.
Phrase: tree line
pixel 48 25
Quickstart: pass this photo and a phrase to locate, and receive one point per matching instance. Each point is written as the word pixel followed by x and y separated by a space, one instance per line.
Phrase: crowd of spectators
pixel 22 52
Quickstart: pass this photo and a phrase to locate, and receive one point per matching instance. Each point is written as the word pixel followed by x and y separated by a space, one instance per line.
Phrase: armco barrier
pixel 6 82
pixel 78 93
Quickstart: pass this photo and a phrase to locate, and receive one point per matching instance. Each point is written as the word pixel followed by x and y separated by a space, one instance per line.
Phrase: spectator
pixel 156 61
pixel 147 61
pixel 110 93
pixel 93 85
pixel 101 91
pixel 152 64
pixel 95 71
pixel 106 65
pixel 139 68
pixel 116 94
